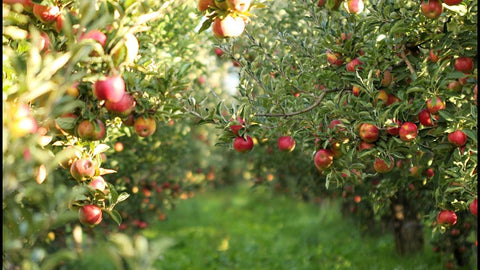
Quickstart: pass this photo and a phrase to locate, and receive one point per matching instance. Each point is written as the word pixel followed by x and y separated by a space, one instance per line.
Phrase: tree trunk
pixel 407 227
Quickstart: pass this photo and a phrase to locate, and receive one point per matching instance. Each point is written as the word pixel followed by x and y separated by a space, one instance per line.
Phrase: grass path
pixel 236 228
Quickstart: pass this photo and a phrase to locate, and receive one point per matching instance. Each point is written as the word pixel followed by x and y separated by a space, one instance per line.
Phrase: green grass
pixel 236 228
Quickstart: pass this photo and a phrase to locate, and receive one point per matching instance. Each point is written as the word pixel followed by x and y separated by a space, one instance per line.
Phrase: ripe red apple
pixel 286 143
pixel 463 64
pixel 92 130
pixel 323 159
pixel 435 105
pixel 96 35
pixel 364 145
pixel 111 88
pixel 433 56
pixel 123 107
pixel 452 2
pixel 336 124
pixel 382 96
pixel 321 3
pixel 335 59
pixel 144 126
pixel 457 138
pixel 369 133
pixel 46 14
pixel 354 6
pixel 59 23
pixel 381 166
pixel 408 132
pixel 228 27
pixel 236 129
pixel 425 118
pixel 352 64
pixel 392 99
pixel 432 9
pixel 82 169
pixel 447 217
pixel 90 214
pixel 98 182
pixel 455 86
pixel 356 90
pixel 393 126
pixel 242 145
pixel 239 5
pixel 473 207
pixel 429 173
pixel 205 4
pixel 218 52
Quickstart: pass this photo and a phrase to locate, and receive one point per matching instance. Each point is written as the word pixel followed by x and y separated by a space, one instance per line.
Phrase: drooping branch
pixel 404 57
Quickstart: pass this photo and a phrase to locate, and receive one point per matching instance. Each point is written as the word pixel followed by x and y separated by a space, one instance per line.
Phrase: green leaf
pixel 115 215
pixel 205 25
pixel 122 197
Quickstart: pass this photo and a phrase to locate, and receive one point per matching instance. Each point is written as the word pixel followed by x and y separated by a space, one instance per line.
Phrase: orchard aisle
pixel 237 228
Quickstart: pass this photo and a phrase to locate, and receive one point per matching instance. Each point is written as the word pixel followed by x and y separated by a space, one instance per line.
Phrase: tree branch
pixel 410 67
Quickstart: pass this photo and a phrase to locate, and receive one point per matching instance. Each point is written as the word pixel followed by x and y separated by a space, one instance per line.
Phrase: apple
pixel 228 27
pixel 452 2
pixel 286 143
pixel 435 105
pixel 144 126
pixel 447 217
pixel 92 130
pixel 353 63
pixel 59 22
pixel 455 86
pixel 335 59
pixel 463 64
pixel 20 127
pixel 336 124
pixel 205 4
pixel 354 6
pixel 98 182
pixel 457 138
pixel 392 99
pixel 321 3
pixel 111 88
pixel 96 35
pixel 433 56
pixel 387 78
pixel 218 52
pixel 73 90
pixel 473 207
pixel 356 90
pixel 82 169
pixel 123 107
pixel 393 126
pixel 432 9
pixel 236 129
pixel 336 148
pixel 118 147
pixel 242 145
pixel 239 5
pixel 90 214
pixel 382 96
pixel 46 14
pixel 369 133
pixel 364 145
pixel 408 132
pixel 425 118
pixel 429 173
pixel 323 159
pixel 381 166
pixel 128 51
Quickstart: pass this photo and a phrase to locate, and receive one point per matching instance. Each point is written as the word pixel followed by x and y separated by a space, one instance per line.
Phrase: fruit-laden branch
pixel 404 57
pixel 317 102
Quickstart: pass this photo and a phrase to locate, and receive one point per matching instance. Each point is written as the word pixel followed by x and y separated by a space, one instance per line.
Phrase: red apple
pixel 82 169
pixel 111 88
pixel 286 143
pixel 236 129
pixel 354 6
pixel 387 78
pixel 393 126
pixel 447 217
pixel 98 182
pixel 90 214
pixel 321 3
pixel 218 52
pixel 382 96
pixel 46 14
pixel 144 126
pixel 457 138
pixel 92 130
pixel 239 5
pixel 356 90
pixel 364 145
pixel 96 35
pixel 473 207
pixel 323 159
pixel 425 118
pixel 429 173
pixel 381 166
pixel 435 105
pixel 205 4
pixel 59 23
pixel 432 9
pixel 392 99
pixel 452 2
pixel 408 132
pixel 433 56
pixel 455 86
pixel 335 59
pixel 369 133
pixel 463 64
pixel 352 64
pixel 228 27
pixel 242 145
pixel 123 107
